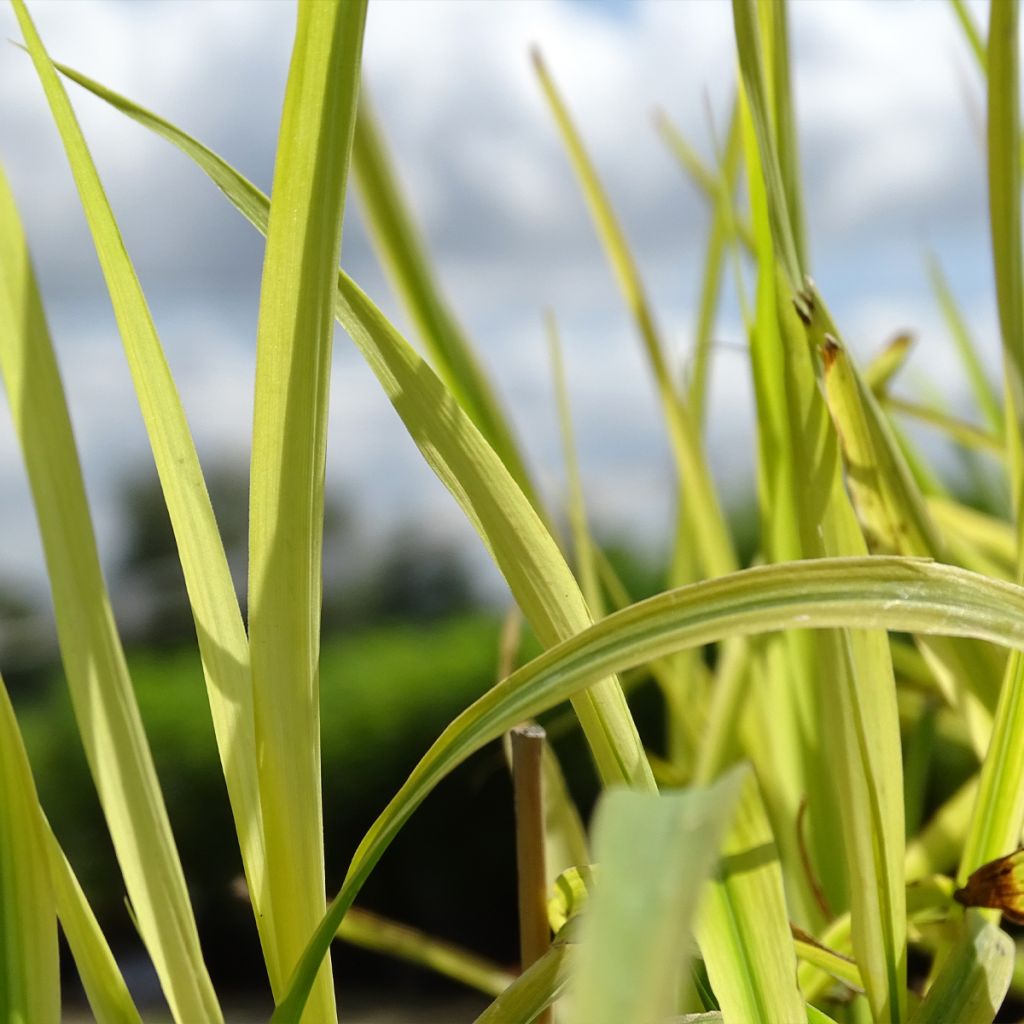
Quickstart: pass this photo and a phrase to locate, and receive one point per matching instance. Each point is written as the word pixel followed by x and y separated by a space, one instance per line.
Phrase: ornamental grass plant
pixel 775 864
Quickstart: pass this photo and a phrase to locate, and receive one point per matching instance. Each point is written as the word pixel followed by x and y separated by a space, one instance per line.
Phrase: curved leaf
pixel 905 595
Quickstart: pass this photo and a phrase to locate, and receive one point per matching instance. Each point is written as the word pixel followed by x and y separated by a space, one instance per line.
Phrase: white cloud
pixel 887 146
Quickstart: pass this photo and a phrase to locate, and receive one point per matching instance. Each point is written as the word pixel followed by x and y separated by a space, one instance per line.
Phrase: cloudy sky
pixel 890 112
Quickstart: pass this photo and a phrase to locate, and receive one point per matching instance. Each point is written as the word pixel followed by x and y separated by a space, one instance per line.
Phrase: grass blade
pixel 101 691
pixel 877 592
pixel 984 394
pixel 711 541
pixel 655 853
pixel 522 547
pixel 29 964
pixel 536 988
pixel 371 931
pixel 999 813
pixel 895 516
pixel 105 988
pixel 403 254
pixel 802 461
pixel 286 504
pixel 743 928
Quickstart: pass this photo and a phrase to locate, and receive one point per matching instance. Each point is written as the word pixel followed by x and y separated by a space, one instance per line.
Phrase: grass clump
pixel 763 868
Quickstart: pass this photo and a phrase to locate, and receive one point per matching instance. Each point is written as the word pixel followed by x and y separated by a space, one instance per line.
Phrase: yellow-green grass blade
pixel 999 813
pixel 926 898
pixel 101 692
pixel 537 987
pixel 702 543
pixel 971 32
pixel 937 846
pixel 524 550
pixel 977 535
pixel 371 931
pixel 689 159
pixel 1004 184
pixel 962 433
pixel 749 45
pixel 984 394
pixel 869 593
pixel 289 441
pixel 403 254
pixel 775 28
pixel 29 962
pixel 105 988
pixel 879 373
pixel 743 928
pixel 655 853
pixel 706 180
pixel 220 630
pixel 711 540
pixel 719 237
pixel 786 702
pixel 974 978
pixel 895 519
pixel 836 965
pixel 583 545
pixel 861 725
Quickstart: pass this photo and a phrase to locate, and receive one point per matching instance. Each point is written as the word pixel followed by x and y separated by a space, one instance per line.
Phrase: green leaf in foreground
pixel 904 595
pixel 999 813
pixel 101 690
pixel 655 853
pixel 522 547
pixel 289 443
pixel 29 966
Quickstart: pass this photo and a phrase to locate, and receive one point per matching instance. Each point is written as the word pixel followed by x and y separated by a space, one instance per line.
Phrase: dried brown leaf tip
pixel 829 351
pixel 999 884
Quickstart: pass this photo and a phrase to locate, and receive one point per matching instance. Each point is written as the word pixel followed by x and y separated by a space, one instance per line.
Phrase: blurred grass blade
pixel 706 180
pixel 894 515
pixel 974 978
pixel 286 487
pixel 711 541
pixel 971 32
pixel 537 987
pixel 105 988
pixel 29 963
pixel 984 394
pixel 836 965
pixel 775 27
pixel 583 545
pixel 962 433
pixel 101 691
pixel 879 373
pixel 999 813
pixel 899 594
pixel 371 931
pixel 743 929
pixel 523 549
pixel 935 849
pixel 861 725
pixel 223 644
pixel 655 853
pixel 403 254
pixel 979 535
pixel 1004 184
pixel 755 85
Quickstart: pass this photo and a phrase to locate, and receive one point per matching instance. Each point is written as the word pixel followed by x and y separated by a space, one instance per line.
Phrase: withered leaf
pixel 999 884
